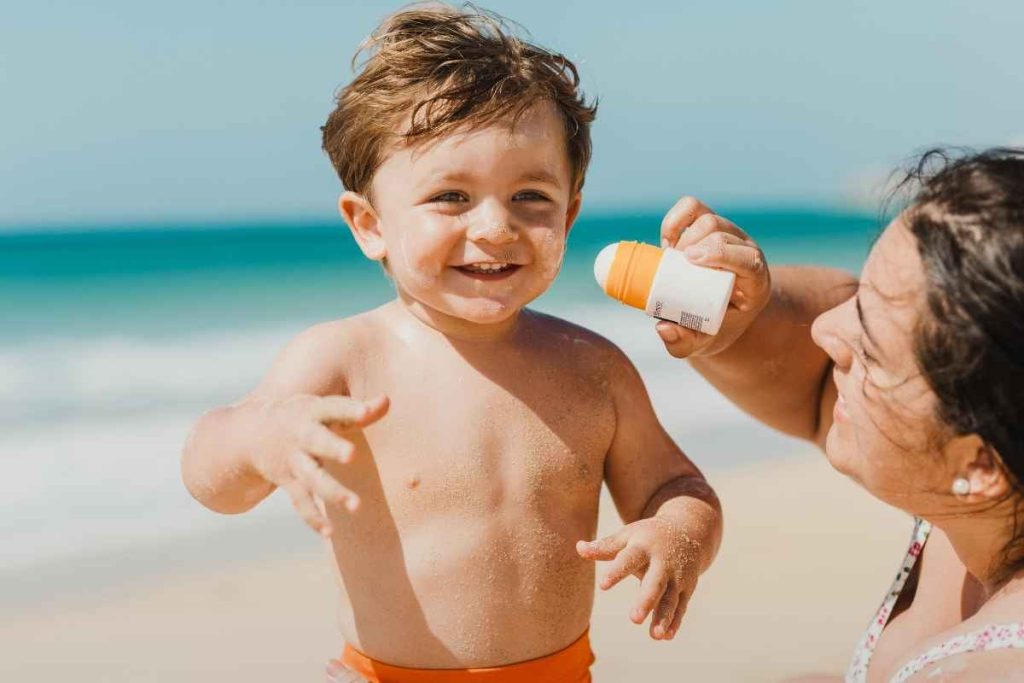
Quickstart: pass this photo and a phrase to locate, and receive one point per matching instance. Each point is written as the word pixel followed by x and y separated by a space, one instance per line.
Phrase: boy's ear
pixel 573 212
pixel 364 223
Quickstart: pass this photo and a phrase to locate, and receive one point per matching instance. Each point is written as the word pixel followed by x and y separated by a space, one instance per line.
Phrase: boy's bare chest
pixel 473 437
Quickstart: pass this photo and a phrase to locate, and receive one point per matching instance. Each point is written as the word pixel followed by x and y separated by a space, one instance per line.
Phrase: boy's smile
pixel 473 225
pixel 488 270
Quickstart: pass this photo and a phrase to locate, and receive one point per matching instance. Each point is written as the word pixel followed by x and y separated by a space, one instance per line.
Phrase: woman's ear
pixel 573 212
pixel 983 470
pixel 364 223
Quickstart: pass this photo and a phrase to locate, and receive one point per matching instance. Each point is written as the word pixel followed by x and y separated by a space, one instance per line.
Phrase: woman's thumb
pixel 679 341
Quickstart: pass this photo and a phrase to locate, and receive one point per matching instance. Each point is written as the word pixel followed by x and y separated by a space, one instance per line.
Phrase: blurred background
pixel 167 222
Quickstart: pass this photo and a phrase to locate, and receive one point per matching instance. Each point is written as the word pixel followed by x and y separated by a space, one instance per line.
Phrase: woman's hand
pixel 711 240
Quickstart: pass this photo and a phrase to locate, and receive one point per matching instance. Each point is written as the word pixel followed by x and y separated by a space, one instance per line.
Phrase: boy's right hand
pixel 296 435
pixel 708 239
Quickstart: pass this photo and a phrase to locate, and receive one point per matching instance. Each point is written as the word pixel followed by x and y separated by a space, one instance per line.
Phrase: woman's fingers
pixel 710 224
pixel 729 252
pixel 320 483
pixel 628 562
pixel 680 342
pixel 679 218
pixel 652 586
pixel 302 501
pixel 665 611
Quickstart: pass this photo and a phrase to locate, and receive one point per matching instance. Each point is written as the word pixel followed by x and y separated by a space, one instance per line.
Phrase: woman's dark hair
pixel 967 217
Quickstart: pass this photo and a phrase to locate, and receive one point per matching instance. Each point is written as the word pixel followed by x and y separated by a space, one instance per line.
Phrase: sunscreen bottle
pixel 665 284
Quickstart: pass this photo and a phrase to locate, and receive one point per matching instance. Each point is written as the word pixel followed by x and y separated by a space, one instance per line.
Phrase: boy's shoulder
pixel 317 360
pixel 593 349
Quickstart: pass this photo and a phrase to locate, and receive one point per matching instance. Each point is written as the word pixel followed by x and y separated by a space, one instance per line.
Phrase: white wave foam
pixel 116 375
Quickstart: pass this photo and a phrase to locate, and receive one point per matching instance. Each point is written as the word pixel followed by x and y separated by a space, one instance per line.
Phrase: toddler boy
pixel 451 445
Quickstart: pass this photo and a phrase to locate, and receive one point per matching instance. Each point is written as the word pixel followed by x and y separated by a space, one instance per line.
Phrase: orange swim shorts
pixel 569 665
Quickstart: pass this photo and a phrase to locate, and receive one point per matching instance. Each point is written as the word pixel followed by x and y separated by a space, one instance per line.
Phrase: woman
pixel 912 381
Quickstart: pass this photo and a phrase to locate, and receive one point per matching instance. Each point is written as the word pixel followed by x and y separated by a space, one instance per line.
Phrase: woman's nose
pixel 826 331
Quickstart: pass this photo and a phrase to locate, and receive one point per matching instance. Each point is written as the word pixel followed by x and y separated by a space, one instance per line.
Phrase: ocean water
pixel 112 342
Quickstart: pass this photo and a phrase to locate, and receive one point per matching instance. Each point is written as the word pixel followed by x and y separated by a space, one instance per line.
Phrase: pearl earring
pixel 961 487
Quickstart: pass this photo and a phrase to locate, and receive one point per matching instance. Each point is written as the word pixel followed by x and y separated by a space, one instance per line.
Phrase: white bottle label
pixel 689 295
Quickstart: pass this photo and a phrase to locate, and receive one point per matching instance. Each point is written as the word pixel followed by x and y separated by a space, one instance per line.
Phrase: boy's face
pixel 474 224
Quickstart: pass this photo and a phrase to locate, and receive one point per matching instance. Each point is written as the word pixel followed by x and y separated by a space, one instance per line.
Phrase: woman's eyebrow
pixel 864 325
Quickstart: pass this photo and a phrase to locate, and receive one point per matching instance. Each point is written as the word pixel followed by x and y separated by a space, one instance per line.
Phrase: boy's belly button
pixel 412 481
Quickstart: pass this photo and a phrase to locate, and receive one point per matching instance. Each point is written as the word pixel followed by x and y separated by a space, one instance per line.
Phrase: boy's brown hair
pixel 439 69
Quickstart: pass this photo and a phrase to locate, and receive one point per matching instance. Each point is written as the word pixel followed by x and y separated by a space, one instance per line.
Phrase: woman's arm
pixel 763 358
pixel 774 371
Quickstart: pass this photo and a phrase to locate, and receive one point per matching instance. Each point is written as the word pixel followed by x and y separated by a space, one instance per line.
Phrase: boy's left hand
pixel 665 560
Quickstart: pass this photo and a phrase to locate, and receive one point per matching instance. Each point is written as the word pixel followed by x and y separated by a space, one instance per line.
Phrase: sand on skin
pixel 807 557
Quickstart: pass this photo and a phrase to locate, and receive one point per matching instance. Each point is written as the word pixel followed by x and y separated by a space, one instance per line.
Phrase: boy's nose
pixel 496 230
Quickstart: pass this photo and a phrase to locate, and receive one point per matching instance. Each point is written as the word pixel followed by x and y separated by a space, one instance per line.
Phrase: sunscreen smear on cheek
pixel 665 284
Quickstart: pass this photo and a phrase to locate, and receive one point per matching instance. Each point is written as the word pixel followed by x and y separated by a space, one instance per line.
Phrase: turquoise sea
pixel 158 281
pixel 112 341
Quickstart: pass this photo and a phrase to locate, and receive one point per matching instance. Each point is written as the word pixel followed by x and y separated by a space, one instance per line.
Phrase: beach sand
pixel 806 559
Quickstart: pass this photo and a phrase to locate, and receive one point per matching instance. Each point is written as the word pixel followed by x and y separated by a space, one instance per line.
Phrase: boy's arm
pixel 673 518
pixel 279 435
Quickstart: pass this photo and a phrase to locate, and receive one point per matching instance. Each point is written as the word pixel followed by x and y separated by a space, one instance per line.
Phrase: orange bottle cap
pixel 632 272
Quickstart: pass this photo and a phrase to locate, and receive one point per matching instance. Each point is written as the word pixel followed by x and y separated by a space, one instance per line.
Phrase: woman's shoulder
pixel 988 646
pixel 1001 661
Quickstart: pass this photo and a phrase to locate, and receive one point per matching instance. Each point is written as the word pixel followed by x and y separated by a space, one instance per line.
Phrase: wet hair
pixel 967 217
pixel 433 69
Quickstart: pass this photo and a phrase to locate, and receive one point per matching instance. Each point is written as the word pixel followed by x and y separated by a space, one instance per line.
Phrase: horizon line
pixel 241 222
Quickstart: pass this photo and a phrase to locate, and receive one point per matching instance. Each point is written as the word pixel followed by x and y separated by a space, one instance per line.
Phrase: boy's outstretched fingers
pixel 348 412
pixel 684 600
pixel 652 587
pixel 319 481
pixel 323 444
pixel 630 561
pixel 602 549
pixel 305 505
pixel 665 611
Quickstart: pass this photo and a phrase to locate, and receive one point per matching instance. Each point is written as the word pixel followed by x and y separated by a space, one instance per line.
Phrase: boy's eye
pixel 529 196
pixel 449 197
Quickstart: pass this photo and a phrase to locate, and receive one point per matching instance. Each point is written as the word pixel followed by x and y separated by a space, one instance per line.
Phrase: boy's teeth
pixel 486 267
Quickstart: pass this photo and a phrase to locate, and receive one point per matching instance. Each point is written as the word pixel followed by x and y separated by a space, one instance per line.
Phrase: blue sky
pixel 192 111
